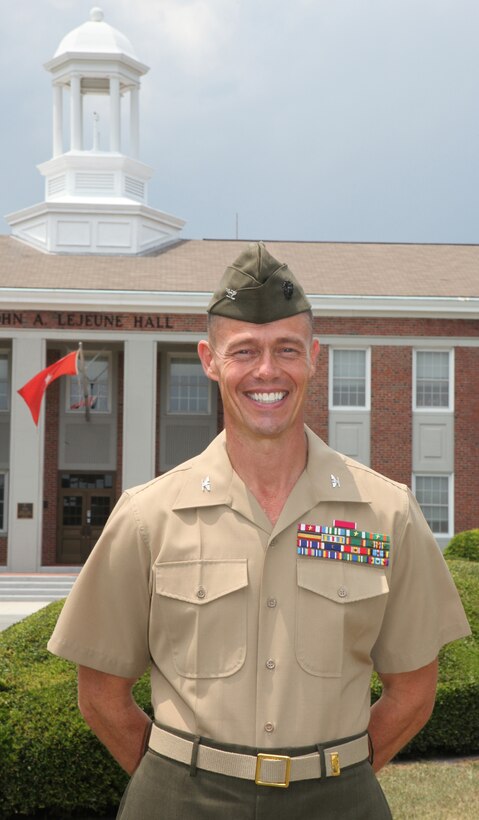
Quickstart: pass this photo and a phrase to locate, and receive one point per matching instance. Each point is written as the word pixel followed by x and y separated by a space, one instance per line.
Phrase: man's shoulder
pixel 168 485
pixel 344 468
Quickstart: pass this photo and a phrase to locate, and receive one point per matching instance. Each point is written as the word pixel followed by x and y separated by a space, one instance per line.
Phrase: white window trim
pixel 187 355
pixel 348 409
pixel 4 351
pixel 450 407
pixel 450 491
pixel 4 529
pixel 105 354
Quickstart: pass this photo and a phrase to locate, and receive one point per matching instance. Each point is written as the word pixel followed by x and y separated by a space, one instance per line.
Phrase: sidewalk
pixel 23 594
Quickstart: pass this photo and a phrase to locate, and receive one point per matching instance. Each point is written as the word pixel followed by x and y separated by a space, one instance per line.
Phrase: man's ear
pixel 207 360
pixel 314 355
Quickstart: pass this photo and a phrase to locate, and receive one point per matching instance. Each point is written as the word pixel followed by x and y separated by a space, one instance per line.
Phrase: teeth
pixel 267 398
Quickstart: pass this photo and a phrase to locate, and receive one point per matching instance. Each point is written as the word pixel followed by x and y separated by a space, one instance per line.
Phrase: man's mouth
pixel 267 398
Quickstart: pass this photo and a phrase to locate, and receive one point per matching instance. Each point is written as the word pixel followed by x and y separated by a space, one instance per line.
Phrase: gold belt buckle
pixel 287 770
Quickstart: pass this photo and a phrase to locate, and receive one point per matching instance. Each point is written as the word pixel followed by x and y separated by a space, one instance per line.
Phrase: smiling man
pixel 263 581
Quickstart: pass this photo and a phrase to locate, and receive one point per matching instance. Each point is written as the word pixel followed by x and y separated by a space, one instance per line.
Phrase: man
pixel 263 581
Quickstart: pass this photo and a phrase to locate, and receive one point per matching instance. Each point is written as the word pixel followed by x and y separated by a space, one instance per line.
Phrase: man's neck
pixel 270 467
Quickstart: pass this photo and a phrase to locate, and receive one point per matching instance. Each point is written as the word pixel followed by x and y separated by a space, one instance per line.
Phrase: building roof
pixel 324 268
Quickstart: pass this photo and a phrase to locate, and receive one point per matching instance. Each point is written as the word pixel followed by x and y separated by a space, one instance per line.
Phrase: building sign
pixel 50 319
pixel 24 509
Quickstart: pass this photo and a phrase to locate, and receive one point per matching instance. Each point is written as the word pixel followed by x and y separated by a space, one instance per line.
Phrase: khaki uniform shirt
pixel 248 641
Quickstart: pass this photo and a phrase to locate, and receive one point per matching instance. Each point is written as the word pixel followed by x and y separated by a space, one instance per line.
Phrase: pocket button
pixel 201 592
pixel 342 592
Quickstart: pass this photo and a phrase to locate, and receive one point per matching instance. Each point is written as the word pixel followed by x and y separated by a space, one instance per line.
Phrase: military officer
pixel 262 581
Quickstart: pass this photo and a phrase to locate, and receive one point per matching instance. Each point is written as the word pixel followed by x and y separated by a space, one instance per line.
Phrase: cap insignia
pixel 288 289
pixel 231 294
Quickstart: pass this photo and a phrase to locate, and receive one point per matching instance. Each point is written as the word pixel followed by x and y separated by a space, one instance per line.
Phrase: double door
pixel 83 512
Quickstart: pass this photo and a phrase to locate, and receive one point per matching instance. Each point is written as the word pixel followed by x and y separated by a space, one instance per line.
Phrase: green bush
pixel 49 759
pixel 52 764
pixel 452 728
pixel 464 545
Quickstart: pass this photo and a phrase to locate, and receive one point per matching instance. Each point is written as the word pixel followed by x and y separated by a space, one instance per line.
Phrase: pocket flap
pixel 343 584
pixel 199 582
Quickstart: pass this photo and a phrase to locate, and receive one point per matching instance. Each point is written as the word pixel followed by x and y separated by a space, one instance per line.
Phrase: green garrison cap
pixel 257 288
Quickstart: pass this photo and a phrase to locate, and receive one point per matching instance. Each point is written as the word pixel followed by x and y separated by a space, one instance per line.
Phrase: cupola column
pixel 115 111
pixel 135 122
pixel 76 114
pixel 57 120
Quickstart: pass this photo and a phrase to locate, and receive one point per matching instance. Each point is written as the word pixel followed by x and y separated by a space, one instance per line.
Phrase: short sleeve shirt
pixel 252 637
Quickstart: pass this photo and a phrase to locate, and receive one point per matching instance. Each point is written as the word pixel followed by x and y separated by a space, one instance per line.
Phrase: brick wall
pixel 466 472
pixel 391 413
pixel 316 410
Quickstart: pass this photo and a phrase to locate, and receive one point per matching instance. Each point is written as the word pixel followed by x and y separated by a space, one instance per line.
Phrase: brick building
pixel 397 386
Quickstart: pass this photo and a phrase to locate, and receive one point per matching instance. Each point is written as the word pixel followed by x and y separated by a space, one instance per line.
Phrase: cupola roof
pixel 95 36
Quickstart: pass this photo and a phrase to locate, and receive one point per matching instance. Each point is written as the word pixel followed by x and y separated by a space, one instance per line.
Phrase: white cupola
pixel 96 194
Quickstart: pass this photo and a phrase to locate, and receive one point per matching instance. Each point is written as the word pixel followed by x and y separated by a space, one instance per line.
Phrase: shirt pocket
pixel 203 607
pixel 338 614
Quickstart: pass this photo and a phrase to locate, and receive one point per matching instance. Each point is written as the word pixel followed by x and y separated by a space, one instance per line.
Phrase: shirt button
pixel 271 602
pixel 270 664
pixel 201 592
pixel 342 592
pixel 273 542
pixel 268 727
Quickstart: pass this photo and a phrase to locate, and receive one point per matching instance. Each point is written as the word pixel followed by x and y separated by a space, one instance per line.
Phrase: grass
pixel 426 790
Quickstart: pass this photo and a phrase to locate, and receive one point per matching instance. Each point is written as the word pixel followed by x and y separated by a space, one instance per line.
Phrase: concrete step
pixel 38 587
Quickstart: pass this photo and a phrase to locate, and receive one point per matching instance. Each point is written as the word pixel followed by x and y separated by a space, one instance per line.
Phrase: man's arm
pixel 107 704
pixel 402 710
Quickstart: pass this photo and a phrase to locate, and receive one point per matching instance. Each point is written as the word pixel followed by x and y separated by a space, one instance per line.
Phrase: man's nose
pixel 266 365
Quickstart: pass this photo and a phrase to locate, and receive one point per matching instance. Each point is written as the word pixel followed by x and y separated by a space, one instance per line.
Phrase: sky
pixel 317 120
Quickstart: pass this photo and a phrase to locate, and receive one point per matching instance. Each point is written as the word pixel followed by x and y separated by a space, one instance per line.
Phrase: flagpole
pixel 84 380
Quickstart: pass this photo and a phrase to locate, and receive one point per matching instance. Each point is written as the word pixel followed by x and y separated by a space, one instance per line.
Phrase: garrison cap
pixel 257 288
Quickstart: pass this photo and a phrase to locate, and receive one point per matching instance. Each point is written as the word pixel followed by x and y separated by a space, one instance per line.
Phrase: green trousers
pixel 162 789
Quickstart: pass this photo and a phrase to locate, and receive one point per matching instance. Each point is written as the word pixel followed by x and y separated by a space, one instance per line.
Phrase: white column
pixel 57 120
pixel 135 122
pixel 115 125
pixel 139 411
pixel 26 462
pixel 76 125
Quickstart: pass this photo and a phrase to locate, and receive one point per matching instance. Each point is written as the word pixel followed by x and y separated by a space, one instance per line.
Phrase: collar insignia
pixel 206 485
pixel 335 482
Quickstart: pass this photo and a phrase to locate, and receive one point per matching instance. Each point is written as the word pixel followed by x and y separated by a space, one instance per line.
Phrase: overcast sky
pixel 340 120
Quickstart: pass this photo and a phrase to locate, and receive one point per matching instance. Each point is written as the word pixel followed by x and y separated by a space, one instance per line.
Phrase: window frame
pixel 450 406
pixel 89 355
pixel 194 357
pixel 5 352
pixel 4 529
pixel 450 500
pixel 341 408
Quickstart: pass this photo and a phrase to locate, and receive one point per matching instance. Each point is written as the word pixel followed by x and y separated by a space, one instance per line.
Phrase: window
pixel 434 495
pixel 433 379
pixel 97 383
pixel 3 502
pixel 4 382
pixel 349 379
pixel 188 387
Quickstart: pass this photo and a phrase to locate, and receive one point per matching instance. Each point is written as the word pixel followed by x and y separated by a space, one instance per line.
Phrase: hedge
pixel 464 545
pixel 52 764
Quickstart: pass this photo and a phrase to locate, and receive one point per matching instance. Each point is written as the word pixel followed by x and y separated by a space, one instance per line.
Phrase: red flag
pixel 33 390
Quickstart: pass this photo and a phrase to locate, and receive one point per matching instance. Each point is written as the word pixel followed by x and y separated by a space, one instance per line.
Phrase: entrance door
pixel 86 501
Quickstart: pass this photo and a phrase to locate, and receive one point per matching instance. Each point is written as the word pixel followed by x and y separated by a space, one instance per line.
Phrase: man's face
pixel 262 372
